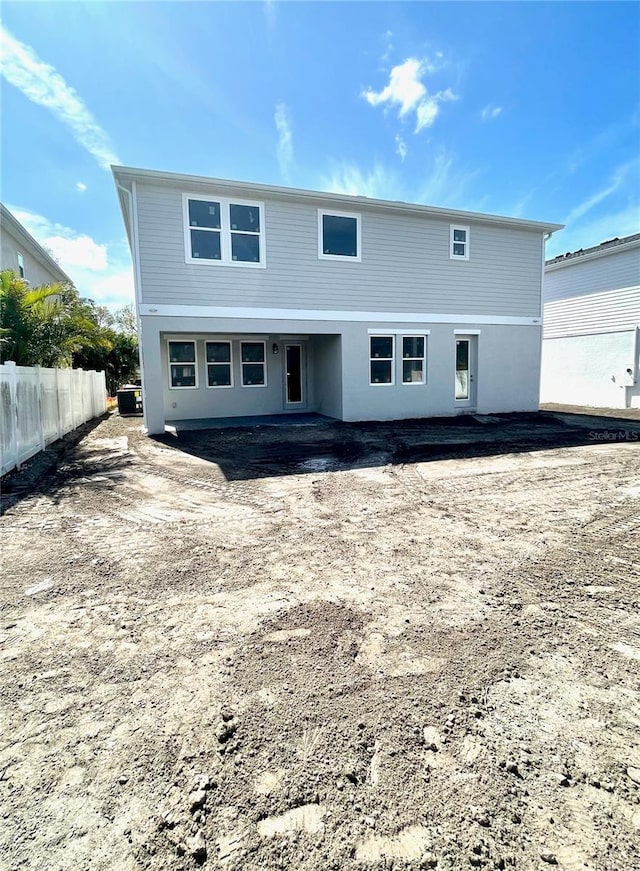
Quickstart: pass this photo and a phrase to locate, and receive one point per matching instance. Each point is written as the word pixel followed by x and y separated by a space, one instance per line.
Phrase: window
pixel 227 232
pixel 252 359
pixel 381 360
pixel 20 265
pixel 219 373
pixel 459 243
pixel 182 364
pixel 414 359
pixel 338 236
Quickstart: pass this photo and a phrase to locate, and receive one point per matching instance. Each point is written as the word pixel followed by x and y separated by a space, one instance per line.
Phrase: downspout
pixel 137 283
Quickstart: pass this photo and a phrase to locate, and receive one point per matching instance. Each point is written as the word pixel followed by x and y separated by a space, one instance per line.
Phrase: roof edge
pixel 39 253
pixel 594 253
pixel 122 173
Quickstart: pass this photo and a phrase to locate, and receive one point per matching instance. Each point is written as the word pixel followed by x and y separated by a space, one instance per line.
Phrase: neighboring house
pixel 255 299
pixel 20 252
pixel 591 346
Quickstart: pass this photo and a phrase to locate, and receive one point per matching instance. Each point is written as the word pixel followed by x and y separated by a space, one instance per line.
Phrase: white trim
pixel 423 359
pixel 135 252
pixel 175 179
pixel 229 364
pixel 212 311
pixel 343 258
pixel 252 363
pixel 405 331
pixel 225 231
pixel 466 243
pixel 171 363
pixel 467 332
pixel 391 360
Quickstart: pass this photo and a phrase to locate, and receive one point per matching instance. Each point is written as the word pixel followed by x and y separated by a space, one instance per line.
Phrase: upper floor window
pixel 20 265
pixel 338 235
pixel 227 232
pixel 459 243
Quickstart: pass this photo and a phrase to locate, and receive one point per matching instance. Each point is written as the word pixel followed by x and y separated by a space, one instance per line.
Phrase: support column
pixel 152 375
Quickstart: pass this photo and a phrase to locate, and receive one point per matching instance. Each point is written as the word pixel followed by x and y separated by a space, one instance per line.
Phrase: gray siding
pixel 34 271
pixel 405 264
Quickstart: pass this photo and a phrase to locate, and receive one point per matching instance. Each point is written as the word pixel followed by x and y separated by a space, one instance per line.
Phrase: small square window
pixel 205 245
pixel 459 243
pixel 204 214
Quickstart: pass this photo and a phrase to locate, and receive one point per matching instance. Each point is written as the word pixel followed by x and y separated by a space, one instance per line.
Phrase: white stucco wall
pixel 507 376
pixel 589 370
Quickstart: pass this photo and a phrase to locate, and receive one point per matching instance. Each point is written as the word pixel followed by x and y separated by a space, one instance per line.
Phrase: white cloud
pixel 380 183
pixel 43 85
pixel 401 147
pixel 81 251
pixel 101 271
pixel 490 112
pixel 285 139
pixel 81 186
pixel 617 180
pixel 407 91
pixel 439 182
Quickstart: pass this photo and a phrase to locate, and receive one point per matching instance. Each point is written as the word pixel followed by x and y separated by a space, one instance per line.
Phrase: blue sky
pixel 523 109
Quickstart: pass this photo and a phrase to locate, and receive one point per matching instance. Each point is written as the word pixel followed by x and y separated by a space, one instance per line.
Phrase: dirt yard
pixel 341 647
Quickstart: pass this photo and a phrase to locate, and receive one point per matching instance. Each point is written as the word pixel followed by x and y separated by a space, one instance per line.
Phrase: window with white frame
pixel 20 265
pixel 182 364
pixel 222 231
pixel 414 359
pixel 219 365
pixel 253 363
pixel 458 242
pixel 338 235
pixel 381 359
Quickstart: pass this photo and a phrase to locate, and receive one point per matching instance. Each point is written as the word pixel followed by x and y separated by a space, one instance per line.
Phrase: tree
pixel 125 320
pixel 54 326
pixel 39 326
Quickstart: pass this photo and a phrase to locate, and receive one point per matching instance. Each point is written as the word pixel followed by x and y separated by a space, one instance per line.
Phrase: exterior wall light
pixel 275 349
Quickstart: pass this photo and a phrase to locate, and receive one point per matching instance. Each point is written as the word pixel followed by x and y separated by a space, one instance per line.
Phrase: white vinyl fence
pixel 38 406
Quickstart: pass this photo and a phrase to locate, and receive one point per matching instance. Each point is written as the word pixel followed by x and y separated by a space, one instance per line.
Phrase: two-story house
pixel 255 299
pixel 20 253
pixel 591 339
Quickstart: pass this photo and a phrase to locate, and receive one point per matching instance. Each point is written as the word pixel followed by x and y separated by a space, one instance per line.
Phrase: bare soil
pixel 352 647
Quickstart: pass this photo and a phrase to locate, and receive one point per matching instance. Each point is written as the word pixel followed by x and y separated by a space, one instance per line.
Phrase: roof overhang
pixel 551 266
pixel 36 250
pixel 125 175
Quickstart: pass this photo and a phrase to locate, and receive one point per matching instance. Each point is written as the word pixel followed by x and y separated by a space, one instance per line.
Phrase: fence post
pixel 39 389
pixel 12 380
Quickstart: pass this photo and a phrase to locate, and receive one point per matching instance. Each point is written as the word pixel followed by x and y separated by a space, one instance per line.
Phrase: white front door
pixel 465 385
